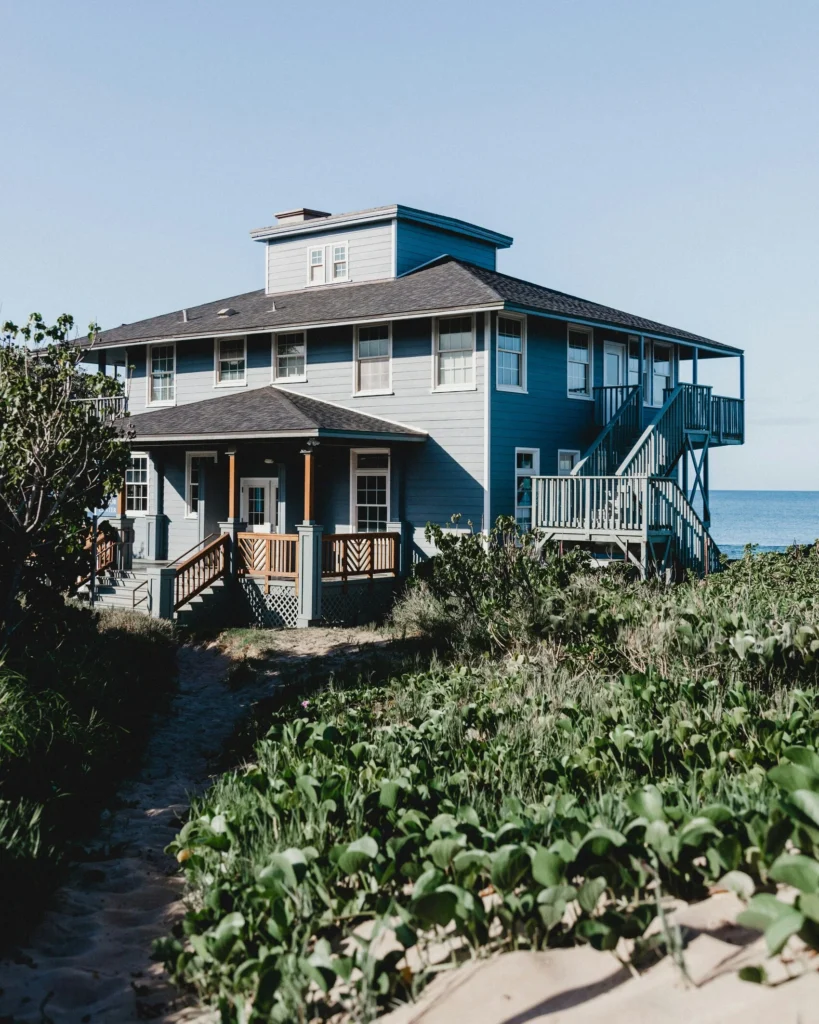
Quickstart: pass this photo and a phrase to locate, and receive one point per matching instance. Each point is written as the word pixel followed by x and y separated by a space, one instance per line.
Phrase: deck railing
pixel 106 554
pixel 727 419
pixel 200 571
pixel 686 407
pixel 106 407
pixel 272 555
pixel 359 554
pixel 621 407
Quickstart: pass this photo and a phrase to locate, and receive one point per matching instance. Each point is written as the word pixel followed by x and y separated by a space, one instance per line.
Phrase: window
pixel 567 459
pixel 136 485
pixel 231 361
pixel 289 356
pixel 511 353
pixel 527 465
pixel 340 262
pixel 370 490
pixel 454 353
pixel 162 383
pixel 663 379
pixel 315 265
pixel 372 359
pixel 580 348
pixel 193 481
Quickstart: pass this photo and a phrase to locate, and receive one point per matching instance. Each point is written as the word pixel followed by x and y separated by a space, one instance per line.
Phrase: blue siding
pixel 418 244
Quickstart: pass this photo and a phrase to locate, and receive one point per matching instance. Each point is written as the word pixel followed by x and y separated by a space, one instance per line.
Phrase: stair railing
pixel 670 509
pixel 200 571
pixel 624 405
pixel 686 407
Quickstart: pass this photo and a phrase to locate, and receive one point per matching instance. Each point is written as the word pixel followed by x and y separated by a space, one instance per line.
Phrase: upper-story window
pixel 511 353
pixel 372 359
pixel 315 265
pixel 454 353
pixel 662 371
pixel 162 373
pixel 289 357
pixel 136 485
pixel 340 261
pixel 580 362
pixel 231 361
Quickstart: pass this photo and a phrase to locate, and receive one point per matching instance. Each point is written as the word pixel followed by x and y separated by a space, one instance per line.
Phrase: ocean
pixel 771 519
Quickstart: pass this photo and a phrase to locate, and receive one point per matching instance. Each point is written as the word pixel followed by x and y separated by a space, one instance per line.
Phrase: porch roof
pixel 258 413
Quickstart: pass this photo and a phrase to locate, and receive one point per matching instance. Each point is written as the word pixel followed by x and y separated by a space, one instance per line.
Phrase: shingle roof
pixel 444 284
pixel 263 412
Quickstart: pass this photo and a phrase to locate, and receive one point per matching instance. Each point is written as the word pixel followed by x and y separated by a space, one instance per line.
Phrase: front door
pixel 615 377
pixel 259 500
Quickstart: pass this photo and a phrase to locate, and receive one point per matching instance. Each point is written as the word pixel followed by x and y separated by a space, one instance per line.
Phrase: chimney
pixel 300 215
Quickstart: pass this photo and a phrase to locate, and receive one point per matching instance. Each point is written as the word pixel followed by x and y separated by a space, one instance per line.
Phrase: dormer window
pixel 340 262
pixel 315 265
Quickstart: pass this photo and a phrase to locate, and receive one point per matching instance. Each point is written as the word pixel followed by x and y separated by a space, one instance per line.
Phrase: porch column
pixel 402 529
pixel 125 529
pixel 233 526
pixel 309 484
pixel 155 520
pixel 641 375
pixel 309 581
pixel 695 367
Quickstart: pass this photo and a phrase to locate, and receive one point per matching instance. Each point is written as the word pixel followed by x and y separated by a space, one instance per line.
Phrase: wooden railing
pixel 727 419
pixel 622 408
pixel 106 556
pixel 272 555
pixel 359 554
pixel 107 407
pixel 686 407
pixel 669 509
pixel 200 571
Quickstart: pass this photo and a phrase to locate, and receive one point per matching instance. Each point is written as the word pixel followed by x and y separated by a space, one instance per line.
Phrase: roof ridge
pixel 346 408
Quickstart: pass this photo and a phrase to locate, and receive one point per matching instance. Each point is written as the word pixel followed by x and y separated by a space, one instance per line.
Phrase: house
pixel 301 436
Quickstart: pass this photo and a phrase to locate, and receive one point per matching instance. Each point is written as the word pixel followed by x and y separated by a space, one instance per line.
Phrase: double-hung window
pixel 527 465
pixel 662 372
pixel 289 360
pixel 511 353
pixel 339 261
pixel 580 362
pixel 136 485
pixel 454 347
pixel 372 359
pixel 231 361
pixel 161 374
pixel 315 265
pixel 370 488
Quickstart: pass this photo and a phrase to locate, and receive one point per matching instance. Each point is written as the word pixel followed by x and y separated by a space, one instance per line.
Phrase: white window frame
pixel 140 511
pixel 310 250
pixel 275 360
pixel 217 359
pixel 436 321
pixel 330 272
pixel 189 457
pixel 379 391
pixel 271 486
pixel 522 387
pixel 523 472
pixel 575 452
pixel 354 471
pixel 149 379
pixel 589 332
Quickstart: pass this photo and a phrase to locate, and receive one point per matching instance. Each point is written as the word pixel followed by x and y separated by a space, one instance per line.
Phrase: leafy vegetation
pixel 76 700
pixel 589 747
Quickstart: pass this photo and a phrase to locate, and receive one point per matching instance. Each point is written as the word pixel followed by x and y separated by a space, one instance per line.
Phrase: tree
pixel 59 457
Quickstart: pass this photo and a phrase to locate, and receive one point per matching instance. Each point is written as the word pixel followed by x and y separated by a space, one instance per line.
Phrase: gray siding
pixel 418 244
pixel 370 256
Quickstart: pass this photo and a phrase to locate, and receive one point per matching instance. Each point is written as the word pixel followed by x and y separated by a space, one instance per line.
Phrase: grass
pixel 578 740
pixel 75 707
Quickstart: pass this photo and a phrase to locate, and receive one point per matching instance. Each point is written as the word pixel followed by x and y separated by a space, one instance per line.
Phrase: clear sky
pixel 659 157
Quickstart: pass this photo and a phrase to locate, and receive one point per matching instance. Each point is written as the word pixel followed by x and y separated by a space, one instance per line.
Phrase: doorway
pixel 615 377
pixel 258 503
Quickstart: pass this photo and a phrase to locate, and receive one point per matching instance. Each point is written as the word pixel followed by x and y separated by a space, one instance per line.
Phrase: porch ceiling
pixel 267 412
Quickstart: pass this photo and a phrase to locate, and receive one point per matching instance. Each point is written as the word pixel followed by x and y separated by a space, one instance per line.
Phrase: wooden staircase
pixel 623 494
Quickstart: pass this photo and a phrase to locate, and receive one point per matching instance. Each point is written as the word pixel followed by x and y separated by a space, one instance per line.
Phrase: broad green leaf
pixel 809 905
pixel 600 839
pixel 469 860
pixel 807 801
pixel 791 777
pixel 797 870
pixel 647 803
pixel 695 830
pixel 590 892
pixel 803 756
pixel 509 865
pixel 427 882
pixel 389 794
pixel 279 871
pixel 437 907
pixel 754 973
pixel 551 914
pixel 309 786
pixel 597 933
pixel 779 931
pixel 762 911
pixel 738 882
pixel 443 850
pixel 358 854
pixel 547 868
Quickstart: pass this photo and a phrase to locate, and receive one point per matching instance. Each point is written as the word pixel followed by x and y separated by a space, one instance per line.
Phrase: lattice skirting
pixel 277 608
pixel 358 603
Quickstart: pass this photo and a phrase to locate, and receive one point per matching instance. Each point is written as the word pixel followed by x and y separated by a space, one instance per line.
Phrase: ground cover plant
pixel 548 783
pixel 77 693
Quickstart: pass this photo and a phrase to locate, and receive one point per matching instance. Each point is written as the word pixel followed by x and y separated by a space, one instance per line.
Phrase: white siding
pixel 370 256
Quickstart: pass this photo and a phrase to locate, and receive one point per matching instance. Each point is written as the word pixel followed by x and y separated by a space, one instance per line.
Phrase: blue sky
pixel 659 157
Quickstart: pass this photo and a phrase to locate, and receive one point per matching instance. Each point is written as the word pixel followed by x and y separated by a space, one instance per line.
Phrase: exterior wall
pixel 370 256
pixel 418 244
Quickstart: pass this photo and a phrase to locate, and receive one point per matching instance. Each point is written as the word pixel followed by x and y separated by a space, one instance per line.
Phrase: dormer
pixel 310 249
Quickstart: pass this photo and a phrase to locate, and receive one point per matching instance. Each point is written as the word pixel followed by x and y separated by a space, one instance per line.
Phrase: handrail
pixel 205 540
pixel 692 534
pixel 106 554
pixel 272 555
pixel 113 406
pixel 616 437
pixel 359 554
pixel 686 407
pixel 144 585
pixel 200 571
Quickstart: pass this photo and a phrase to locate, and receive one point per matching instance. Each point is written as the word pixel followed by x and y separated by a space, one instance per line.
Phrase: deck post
pixel 233 526
pixel 155 520
pixel 309 481
pixel 641 381
pixel 742 376
pixel 404 564
pixel 695 367
pixel 309 579
pixel 161 580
